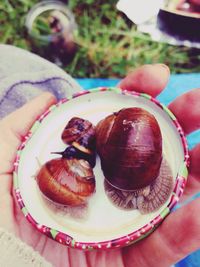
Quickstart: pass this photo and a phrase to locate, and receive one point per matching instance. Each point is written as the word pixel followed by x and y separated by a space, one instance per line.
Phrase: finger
pixel 21 120
pixel 16 125
pixel 178 236
pixel 6 203
pixel 195 160
pixel 187 109
pixel 193 183
pixel 150 79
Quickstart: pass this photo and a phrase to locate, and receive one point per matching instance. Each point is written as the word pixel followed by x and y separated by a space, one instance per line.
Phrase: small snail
pixel 129 143
pixel 70 180
pixel 66 181
pixel 81 134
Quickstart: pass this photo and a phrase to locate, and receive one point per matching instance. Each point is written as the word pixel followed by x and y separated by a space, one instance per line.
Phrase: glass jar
pixel 51 29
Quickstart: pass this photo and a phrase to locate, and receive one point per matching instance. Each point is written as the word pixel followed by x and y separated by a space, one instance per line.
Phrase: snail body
pixel 72 152
pixel 147 199
pixel 129 143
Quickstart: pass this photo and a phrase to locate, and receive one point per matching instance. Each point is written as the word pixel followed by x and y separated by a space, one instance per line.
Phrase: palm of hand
pixel 169 243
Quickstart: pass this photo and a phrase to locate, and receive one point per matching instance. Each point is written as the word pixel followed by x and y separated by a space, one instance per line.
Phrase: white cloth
pixel 24 75
pixel 14 253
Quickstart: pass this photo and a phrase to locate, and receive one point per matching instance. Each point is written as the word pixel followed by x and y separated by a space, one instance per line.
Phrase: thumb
pixel 20 121
pixel 150 79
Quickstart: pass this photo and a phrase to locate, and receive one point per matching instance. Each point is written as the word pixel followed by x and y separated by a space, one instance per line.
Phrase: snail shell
pixel 81 134
pixel 129 144
pixel 66 181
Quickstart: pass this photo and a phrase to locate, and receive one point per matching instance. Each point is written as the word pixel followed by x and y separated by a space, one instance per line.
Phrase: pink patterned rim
pixel 124 240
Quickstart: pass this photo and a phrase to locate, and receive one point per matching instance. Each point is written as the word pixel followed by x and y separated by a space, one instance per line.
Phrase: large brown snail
pixel 70 180
pixel 129 143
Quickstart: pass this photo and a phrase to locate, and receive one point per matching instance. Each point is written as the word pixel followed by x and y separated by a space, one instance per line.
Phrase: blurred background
pixel 106 42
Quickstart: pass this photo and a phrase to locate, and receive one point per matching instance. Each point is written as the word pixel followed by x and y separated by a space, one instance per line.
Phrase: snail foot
pixel 159 191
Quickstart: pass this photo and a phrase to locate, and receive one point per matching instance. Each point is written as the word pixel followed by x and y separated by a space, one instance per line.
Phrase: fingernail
pixel 161 65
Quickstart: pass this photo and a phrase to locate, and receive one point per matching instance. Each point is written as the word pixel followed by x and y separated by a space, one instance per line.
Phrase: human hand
pixel 179 234
pixel 169 243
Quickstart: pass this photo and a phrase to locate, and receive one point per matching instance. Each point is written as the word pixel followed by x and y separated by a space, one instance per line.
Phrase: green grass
pixel 108 44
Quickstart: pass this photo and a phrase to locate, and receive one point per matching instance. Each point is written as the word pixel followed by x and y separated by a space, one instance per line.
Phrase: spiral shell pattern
pixel 81 134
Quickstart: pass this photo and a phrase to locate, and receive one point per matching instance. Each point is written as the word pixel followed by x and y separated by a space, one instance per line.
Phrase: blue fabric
pixel 178 84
